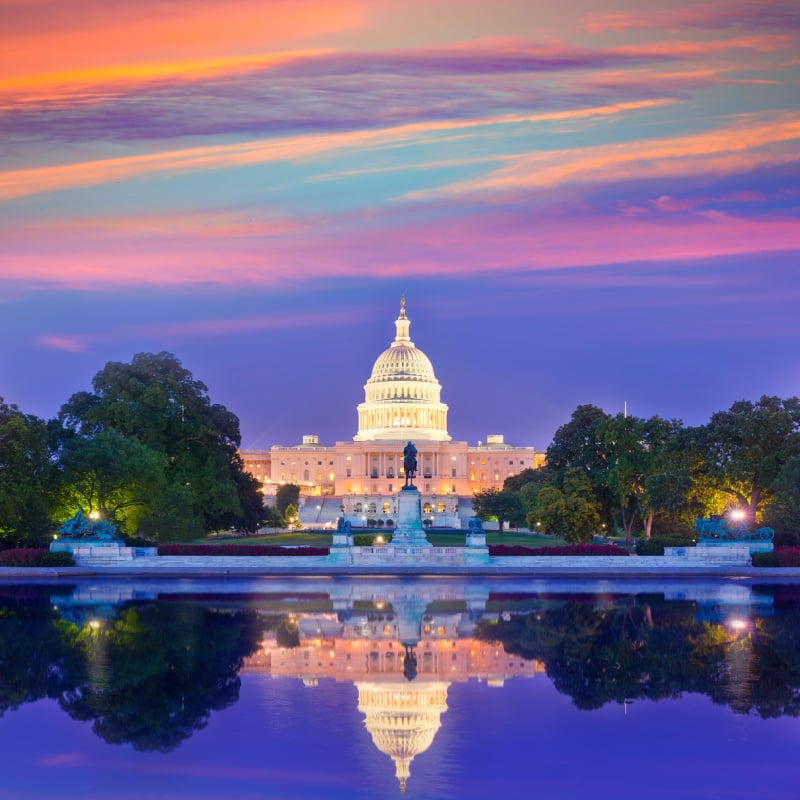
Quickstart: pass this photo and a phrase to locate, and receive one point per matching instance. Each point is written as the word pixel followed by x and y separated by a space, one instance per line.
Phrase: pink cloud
pixel 76 759
pixel 71 344
pixel 198 329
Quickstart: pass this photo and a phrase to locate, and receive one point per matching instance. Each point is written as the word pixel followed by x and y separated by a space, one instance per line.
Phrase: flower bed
pixel 238 550
pixel 34 557
pixel 788 556
pixel 568 550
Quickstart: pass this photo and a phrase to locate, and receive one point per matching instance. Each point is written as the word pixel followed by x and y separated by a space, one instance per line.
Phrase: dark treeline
pixel 145 449
pixel 635 476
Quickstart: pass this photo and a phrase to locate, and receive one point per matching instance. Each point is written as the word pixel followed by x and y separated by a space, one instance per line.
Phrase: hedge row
pixel 654 546
pixel 568 550
pixel 238 550
pixel 34 557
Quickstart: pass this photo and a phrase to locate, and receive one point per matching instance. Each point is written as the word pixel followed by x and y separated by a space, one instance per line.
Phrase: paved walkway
pixel 529 567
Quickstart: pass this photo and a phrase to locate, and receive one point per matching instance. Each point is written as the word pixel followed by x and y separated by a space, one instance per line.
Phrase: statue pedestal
pixel 409 531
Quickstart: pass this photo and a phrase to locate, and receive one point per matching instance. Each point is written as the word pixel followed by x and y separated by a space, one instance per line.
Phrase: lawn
pixel 448 539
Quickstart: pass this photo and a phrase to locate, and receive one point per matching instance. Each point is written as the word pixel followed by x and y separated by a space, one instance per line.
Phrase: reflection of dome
pixel 402 395
pixel 402 719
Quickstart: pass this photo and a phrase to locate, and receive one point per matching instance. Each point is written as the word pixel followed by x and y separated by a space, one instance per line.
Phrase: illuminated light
pixel 94 624
pixel 738 514
pixel 738 624
pixel 94 515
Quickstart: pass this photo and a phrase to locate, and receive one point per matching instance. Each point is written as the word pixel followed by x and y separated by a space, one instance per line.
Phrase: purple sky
pixel 583 203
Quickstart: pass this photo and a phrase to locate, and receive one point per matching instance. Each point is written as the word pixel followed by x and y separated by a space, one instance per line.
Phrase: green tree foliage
pixel 783 514
pixel 580 444
pixel 504 506
pixel 108 473
pixel 290 514
pixel 25 478
pixel 287 494
pixel 155 401
pixel 567 507
pixel 635 453
pixel 743 450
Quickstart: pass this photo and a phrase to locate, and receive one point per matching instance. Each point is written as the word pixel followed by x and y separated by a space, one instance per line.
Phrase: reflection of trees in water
pixel 150 676
pixel 165 668
pixel 647 648
pixel 39 653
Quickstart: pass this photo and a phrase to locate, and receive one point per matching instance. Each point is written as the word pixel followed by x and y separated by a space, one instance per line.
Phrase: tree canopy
pixel 157 419
pixel 25 477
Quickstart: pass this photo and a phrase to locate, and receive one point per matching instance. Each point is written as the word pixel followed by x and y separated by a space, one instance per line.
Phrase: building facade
pixel 402 403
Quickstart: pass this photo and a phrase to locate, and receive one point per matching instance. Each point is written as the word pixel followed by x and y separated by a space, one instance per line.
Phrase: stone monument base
pixel 409 532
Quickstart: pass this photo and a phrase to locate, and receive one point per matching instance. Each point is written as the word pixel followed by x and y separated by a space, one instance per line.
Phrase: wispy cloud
pixel 74 759
pixel 196 329
pixel 19 183
pixel 737 148
pixel 750 15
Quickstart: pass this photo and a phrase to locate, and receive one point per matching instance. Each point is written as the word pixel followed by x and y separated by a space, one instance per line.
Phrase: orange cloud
pixel 734 149
pixel 42 37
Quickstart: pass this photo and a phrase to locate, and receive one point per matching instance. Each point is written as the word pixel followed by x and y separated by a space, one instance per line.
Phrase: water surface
pixel 368 689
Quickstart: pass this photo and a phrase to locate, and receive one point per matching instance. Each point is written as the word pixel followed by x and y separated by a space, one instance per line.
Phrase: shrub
pixel 656 544
pixel 35 557
pixel 568 550
pixel 238 550
pixel 786 539
pixel 765 559
pixel 368 539
pixel 788 556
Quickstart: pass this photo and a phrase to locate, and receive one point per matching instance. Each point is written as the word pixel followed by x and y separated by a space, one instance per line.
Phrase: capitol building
pixel 402 403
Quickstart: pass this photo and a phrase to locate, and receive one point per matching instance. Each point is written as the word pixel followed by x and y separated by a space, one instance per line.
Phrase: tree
pixel 570 509
pixel 504 506
pixel 25 478
pixel 287 494
pixel 635 452
pixel 744 449
pixel 290 514
pixel 783 514
pixel 110 474
pixel 580 444
pixel 157 402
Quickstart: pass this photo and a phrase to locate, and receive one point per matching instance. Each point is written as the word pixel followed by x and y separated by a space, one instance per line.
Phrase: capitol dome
pixel 401 397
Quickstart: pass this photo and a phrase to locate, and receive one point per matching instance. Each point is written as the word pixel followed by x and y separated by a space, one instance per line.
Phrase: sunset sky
pixel 583 202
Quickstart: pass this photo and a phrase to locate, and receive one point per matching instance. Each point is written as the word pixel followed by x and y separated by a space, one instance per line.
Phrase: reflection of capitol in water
pixel 401 658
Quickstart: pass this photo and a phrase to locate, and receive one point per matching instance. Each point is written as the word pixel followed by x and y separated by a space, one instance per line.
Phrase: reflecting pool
pixel 432 688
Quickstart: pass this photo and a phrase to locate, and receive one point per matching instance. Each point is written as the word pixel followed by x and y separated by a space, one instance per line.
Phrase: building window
pixel 440 508
pixel 387 507
pixel 349 473
pixel 453 472
pixel 426 509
